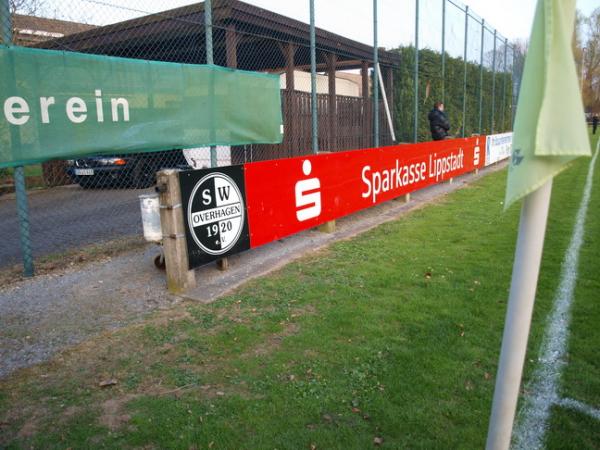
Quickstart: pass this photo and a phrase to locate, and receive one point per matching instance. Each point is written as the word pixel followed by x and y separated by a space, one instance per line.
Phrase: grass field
pixel 391 338
pixel 581 378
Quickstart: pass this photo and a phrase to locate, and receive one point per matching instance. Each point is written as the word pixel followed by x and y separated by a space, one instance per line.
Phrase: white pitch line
pixel 581 407
pixel 532 420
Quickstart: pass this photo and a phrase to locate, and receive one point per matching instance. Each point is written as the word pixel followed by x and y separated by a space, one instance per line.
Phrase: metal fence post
pixel 375 77
pixel 416 120
pixel 19 172
pixel 464 118
pixel 519 79
pixel 513 94
pixel 494 86
pixel 481 77
pixel 208 33
pixel 313 79
pixel 504 87
pixel 443 51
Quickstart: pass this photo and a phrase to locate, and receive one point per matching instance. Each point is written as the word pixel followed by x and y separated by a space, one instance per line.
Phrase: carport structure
pixel 251 38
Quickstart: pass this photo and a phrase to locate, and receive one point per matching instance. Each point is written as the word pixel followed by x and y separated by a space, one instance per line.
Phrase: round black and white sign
pixel 215 213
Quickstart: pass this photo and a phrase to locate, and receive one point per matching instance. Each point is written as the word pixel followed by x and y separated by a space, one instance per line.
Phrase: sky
pixel 513 18
pixel 353 18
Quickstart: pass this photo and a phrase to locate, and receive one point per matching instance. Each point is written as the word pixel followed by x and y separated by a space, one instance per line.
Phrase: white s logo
pixel 476 154
pixel 308 196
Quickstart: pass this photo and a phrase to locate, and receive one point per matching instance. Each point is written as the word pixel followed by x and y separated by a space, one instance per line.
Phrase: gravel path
pixel 44 315
pixel 69 217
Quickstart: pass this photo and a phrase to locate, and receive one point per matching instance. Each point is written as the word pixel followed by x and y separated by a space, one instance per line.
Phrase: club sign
pixel 215 213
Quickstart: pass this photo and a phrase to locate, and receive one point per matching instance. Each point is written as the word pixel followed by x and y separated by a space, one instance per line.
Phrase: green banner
pixel 67 105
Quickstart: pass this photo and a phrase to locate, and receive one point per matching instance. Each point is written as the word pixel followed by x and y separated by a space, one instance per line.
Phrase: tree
pixel 591 63
pixel 519 52
pixel 586 49
pixel 26 7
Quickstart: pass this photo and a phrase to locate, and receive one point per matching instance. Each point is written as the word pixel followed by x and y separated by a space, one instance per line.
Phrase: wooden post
pixel 331 69
pixel 327 227
pixel 223 264
pixel 403 198
pixel 290 66
pixel 364 72
pixel 231 46
pixel 179 277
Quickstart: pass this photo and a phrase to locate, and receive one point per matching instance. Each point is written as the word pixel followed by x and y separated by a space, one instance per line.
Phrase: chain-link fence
pixel 428 50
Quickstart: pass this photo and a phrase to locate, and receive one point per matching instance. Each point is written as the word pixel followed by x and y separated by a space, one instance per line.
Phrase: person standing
pixel 594 123
pixel 439 124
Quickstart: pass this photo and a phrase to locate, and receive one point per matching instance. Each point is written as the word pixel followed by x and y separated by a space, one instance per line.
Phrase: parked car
pixel 135 170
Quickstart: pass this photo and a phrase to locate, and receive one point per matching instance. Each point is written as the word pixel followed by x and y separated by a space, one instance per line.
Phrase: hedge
pixel 430 73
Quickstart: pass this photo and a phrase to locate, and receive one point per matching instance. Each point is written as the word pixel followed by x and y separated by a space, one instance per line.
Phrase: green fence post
pixel 443 51
pixel 504 73
pixel 313 79
pixel 494 87
pixel 375 77
pixel 481 77
pixel 416 127
pixel 23 214
pixel 208 33
pixel 464 118
pixel 19 173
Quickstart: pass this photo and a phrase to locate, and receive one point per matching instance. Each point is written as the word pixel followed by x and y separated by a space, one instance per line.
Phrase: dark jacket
pixel 438 124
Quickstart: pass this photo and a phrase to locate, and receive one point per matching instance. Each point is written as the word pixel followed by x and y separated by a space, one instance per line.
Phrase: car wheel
pixel 143 175
pixel 159 261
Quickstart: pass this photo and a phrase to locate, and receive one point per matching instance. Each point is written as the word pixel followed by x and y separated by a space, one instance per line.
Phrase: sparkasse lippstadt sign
pixel 285 196
pixel 348 182
pixel 57 104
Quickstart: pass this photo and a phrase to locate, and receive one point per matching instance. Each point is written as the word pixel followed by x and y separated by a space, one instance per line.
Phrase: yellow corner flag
pixel 550 128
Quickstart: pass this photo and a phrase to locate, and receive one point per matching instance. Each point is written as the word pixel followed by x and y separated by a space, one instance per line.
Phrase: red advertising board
pixel 286 196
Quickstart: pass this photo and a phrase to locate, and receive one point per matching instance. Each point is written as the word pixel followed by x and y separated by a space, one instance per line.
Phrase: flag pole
pixel 526 268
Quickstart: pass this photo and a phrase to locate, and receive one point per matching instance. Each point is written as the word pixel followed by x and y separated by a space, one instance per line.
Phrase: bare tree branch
pixel 26 7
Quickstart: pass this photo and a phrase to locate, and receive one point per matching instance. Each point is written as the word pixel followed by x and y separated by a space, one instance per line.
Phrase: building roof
pixel 30 30
pixel 178 35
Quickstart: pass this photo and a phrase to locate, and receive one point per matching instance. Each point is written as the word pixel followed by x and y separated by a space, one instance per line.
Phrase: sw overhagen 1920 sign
pixel 214 207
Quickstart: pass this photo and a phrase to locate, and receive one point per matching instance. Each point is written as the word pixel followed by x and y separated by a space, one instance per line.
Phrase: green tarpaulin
pixel 67 105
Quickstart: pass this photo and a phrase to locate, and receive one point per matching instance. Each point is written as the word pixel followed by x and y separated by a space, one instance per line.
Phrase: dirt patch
pixel 28 430
pixel 274 341
pixel 32 416
pixel 71 412
pixel 113 416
